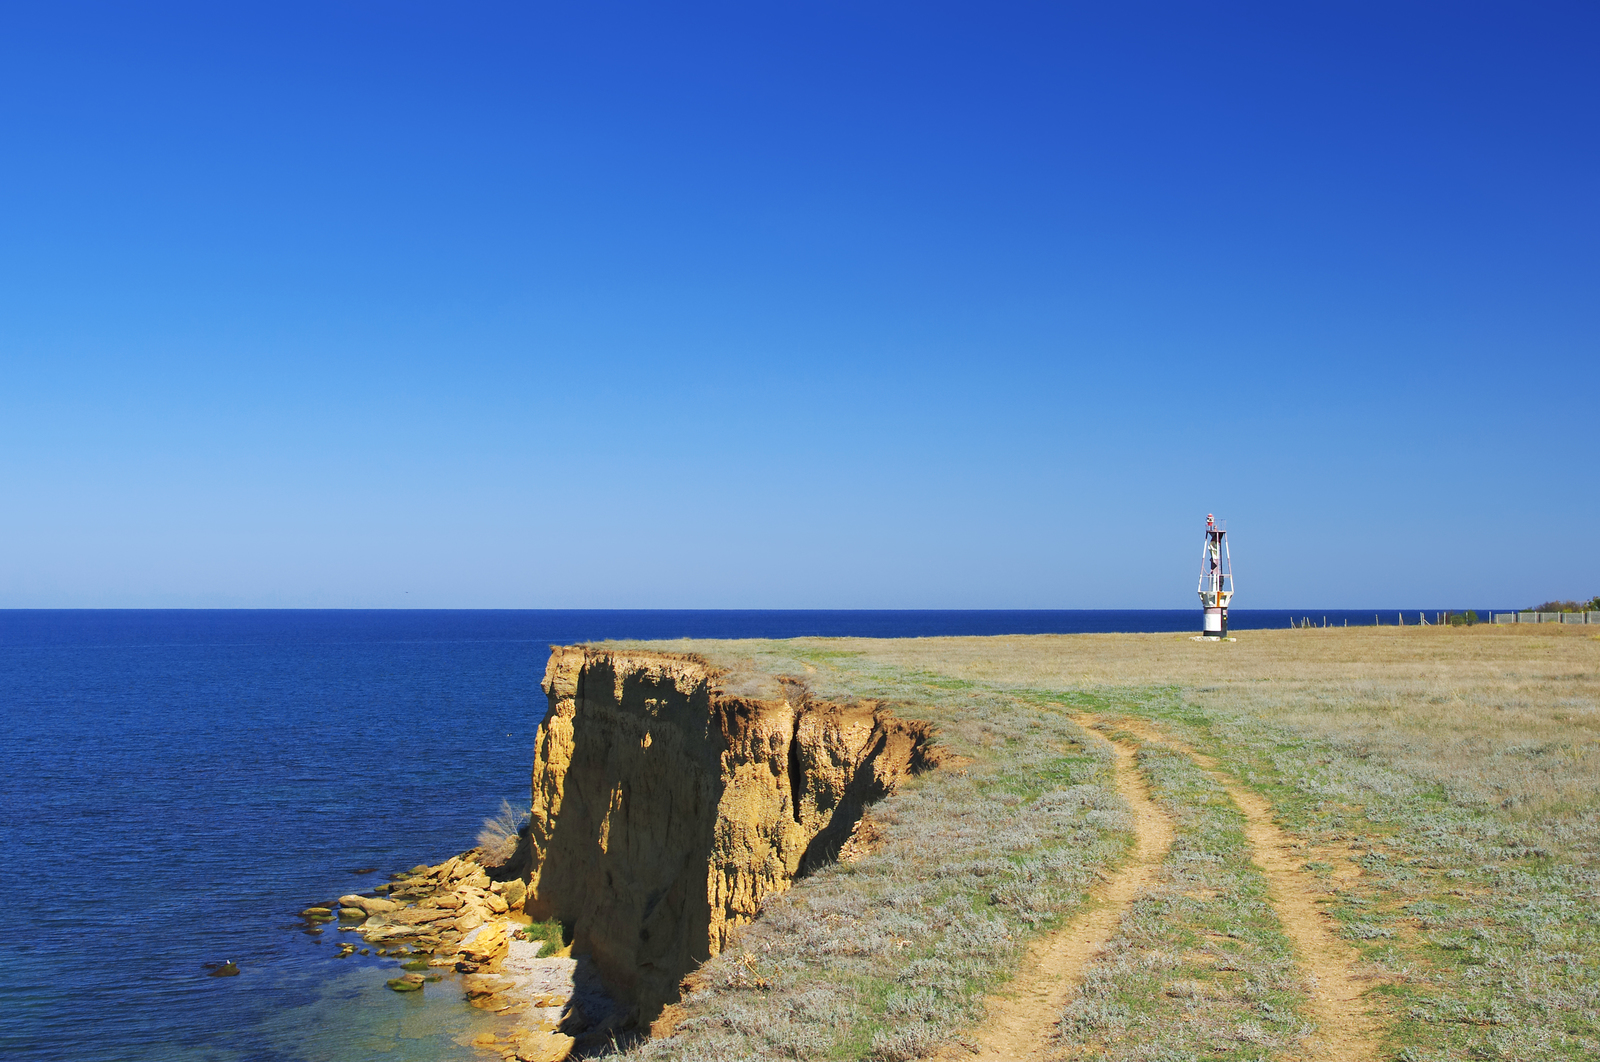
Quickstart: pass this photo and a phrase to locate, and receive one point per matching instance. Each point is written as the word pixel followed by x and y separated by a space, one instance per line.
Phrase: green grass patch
pixel 550 933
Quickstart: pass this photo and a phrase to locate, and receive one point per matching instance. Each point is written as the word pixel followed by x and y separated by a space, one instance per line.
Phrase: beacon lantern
pixel 1216 580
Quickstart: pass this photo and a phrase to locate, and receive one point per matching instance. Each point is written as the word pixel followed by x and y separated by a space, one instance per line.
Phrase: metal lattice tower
pixel 1216 580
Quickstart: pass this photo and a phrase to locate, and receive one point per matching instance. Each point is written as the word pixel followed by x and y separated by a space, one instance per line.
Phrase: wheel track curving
pixel 1345 1031
pixel 1022 1020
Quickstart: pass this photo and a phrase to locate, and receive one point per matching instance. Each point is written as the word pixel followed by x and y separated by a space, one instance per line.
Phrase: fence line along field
pixel 1380 843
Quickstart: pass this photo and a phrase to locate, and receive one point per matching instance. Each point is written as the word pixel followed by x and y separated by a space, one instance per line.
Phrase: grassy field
pixel 1436 788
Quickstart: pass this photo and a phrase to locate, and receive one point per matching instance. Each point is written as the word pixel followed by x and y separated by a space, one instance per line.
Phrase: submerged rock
pixel 411 982
pixel 539 1046
pixel 480 986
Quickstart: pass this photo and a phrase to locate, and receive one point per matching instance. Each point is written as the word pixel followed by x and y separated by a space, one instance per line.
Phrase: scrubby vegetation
pixel 549 933
pixel 501 833
pixel 1444 784
pixel 1591 605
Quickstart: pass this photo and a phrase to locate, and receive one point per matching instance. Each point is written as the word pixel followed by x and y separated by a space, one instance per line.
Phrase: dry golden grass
pixel 1442 785
pixel 1509 715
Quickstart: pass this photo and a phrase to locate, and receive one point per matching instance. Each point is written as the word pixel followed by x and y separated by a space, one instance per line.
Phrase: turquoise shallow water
pixel 179 785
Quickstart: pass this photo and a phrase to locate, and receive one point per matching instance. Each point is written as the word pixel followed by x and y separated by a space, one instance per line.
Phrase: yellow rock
pixel 480 987
pixel 543 1047
pixel 370 904
pixel 516 892
pixel 665 810
pixel 415 916
pixel 489 946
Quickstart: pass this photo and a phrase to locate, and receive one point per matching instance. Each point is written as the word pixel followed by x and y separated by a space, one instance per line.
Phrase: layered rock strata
pixel 665 809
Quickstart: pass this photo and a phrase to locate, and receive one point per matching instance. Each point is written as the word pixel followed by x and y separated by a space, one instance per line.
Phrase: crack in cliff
pixel 797 779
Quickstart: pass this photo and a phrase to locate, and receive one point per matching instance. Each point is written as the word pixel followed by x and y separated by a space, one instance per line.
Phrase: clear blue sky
pixel 797 305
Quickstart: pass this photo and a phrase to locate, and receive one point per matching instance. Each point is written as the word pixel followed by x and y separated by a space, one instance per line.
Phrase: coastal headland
pixel 1331 843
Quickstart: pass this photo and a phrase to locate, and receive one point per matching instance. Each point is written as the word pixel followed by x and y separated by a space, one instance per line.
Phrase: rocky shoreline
pixel 664 811
pixel 457 916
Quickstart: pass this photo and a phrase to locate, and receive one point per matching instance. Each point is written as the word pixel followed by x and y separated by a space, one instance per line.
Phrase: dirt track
pixel 1344 1031
pixel 1022 1019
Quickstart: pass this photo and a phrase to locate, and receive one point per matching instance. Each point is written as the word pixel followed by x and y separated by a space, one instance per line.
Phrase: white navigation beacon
pixel 1216 580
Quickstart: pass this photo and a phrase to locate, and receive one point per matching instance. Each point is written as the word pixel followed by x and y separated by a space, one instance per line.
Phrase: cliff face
pixel 664 811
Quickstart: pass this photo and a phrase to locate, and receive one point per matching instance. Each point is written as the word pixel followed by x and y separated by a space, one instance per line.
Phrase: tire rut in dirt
pixel 1345 1032
pixel 1023 1019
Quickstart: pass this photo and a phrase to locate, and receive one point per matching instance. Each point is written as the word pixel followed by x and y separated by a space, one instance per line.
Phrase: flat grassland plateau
pixel 1375 843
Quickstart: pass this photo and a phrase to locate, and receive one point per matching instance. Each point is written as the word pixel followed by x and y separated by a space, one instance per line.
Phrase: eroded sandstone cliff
pixel 665 810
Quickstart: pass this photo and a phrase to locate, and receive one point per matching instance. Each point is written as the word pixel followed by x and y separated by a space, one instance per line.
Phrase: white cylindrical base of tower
pixel 1214 623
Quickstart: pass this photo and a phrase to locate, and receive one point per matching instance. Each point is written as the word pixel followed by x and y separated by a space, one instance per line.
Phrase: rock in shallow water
pixel 411 982
pixel 527 1045
pixel 370 904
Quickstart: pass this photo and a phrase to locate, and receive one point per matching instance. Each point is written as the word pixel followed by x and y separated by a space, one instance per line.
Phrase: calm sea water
pixel 177 785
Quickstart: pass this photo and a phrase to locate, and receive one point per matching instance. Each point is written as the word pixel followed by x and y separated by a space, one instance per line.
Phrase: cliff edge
pixel 665 810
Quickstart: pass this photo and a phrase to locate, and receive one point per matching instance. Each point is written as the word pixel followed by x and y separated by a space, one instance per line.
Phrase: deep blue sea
pixel 178 785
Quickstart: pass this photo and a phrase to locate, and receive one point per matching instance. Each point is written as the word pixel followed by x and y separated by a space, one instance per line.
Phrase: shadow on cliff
pixel 624 828
pixel 665 812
